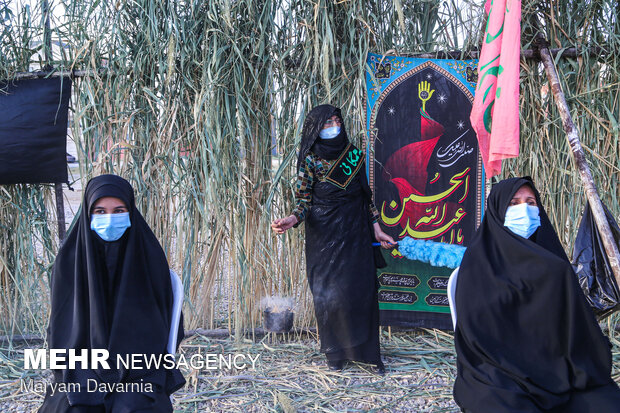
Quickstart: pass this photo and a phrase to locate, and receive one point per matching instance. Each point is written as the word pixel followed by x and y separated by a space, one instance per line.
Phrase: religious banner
pixel 33 130
pixel 427 177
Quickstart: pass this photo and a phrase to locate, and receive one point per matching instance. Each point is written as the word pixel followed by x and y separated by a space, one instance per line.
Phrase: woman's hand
pixel 385 240
pixel 280 225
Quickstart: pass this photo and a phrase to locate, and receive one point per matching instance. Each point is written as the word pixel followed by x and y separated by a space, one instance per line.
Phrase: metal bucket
pixel 278 322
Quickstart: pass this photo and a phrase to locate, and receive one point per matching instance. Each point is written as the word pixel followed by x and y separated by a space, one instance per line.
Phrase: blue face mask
pixel 110 227
pixel 522 219
pixel 330 133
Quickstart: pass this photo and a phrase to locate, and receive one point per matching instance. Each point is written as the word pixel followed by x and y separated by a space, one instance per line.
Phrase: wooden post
pixel 60 212
pixel 580 160
pixel 47 40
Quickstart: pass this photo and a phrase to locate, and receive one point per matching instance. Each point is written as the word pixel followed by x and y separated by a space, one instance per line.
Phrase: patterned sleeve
pixel 303 192
pixel 374 213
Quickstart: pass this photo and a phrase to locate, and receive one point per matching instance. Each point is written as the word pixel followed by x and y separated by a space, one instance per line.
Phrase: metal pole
pixel 47 40
pixel 580 160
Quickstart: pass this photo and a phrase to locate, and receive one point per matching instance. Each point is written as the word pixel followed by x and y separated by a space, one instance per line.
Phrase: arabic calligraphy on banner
pixel 426 173
pixel 434 221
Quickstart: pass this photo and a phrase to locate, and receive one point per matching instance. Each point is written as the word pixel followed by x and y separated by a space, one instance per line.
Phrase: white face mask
pixel 330 133
pixel 522 219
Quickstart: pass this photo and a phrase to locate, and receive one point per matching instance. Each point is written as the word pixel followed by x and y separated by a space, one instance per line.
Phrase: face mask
pixel 522 219
pixel 330 133
pixel 110 227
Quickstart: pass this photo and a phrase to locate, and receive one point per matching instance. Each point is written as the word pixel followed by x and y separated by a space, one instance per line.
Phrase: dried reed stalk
pixel 201 109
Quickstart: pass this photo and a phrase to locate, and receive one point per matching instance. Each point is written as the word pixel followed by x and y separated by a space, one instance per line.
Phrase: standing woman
pixel 526 339
pixel 334 199
pixel 111 289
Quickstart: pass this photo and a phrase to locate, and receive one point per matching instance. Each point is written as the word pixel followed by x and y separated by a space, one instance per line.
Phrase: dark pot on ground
pixel 278 321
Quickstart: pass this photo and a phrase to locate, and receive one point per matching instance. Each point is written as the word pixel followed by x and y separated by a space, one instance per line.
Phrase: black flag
pixel 33 130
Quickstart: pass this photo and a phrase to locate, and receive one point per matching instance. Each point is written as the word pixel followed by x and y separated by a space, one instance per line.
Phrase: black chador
pixel 339 254
pixel 526 339
pixel 115 296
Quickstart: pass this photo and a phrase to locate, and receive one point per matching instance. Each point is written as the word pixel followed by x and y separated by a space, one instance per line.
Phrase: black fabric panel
pixel 416 319
pixel 33 130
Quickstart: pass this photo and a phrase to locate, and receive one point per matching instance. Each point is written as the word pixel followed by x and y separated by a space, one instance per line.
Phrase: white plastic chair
pixel 451 290
pixel 177 305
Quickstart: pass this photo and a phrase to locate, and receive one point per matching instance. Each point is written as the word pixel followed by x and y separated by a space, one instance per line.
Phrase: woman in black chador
pixel 334 199
pixel 526 339
pixel 111 289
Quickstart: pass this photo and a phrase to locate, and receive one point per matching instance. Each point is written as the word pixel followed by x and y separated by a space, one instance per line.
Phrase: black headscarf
pixel 111 295
pixel 310 141
pixel 526 339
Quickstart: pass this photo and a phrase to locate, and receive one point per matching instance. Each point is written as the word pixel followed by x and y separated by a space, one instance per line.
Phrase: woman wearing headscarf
pixel 335 201
pixel 526 339
pixel 111 289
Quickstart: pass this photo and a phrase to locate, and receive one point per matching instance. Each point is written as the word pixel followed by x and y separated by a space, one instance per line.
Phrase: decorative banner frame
pixel 426 172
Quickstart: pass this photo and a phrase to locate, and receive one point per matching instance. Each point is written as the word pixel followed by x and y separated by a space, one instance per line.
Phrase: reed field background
pixel 200 104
